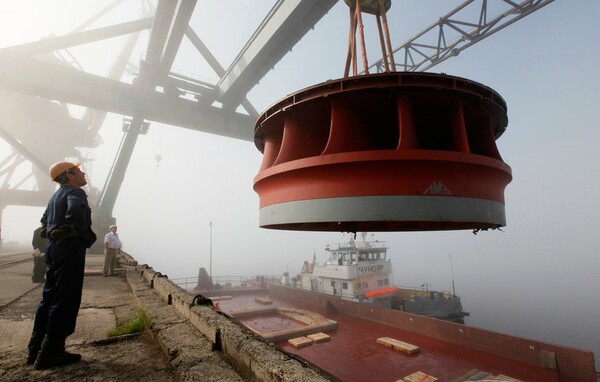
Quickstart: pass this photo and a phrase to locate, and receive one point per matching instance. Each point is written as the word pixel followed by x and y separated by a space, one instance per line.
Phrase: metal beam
pixel 24 198
pixel 215 65
pixel 160 30
pixel 171 21
pixel 23 150
pixel 111 189
pixel 55 43
pixel 34 77
pixel 285 25
pixel 180 23
pixel 94 117
pixel 452 34
pixel 97 16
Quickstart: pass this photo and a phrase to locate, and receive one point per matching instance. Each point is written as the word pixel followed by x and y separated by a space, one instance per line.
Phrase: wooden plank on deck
pixel 419 376
pixel 505 378
pixel 300 342
pixel 479 375
pixel 319 337
pixel 466 376
pixel 401 346
pixel 263 300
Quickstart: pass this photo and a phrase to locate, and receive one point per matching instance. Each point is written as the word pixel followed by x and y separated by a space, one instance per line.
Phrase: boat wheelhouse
pixel 352 270
pixel 359 270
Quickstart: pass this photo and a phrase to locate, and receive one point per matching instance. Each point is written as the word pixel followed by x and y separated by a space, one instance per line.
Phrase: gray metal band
pixel 385 208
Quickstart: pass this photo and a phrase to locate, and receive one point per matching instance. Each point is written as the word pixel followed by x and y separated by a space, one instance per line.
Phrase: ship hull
pixel 443 309
pixel 533 358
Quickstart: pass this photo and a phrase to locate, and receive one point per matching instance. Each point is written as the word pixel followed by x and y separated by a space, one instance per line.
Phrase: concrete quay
pixel 187 341
pixel 15 275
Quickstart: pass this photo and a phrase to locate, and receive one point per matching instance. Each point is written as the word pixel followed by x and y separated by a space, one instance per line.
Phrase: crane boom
pixel 458 30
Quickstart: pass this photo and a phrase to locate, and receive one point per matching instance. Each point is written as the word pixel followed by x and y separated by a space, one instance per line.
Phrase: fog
pixel 537 277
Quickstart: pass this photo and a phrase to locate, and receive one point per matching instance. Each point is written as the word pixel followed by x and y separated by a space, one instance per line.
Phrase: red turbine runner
pixel 383 152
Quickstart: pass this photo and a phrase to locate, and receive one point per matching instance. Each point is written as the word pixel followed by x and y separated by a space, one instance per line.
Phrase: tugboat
pixel 360 271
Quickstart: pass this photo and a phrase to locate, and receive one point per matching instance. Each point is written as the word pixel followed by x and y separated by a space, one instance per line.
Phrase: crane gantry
pixel 45 73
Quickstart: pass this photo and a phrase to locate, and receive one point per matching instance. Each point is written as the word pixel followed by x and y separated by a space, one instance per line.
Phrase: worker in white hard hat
pixel 66 223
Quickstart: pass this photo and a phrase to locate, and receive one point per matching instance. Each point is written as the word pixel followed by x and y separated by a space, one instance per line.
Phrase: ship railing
pixel 411 287
pixel 339 247
pixel 189 283
pixel 357 245
pixel 425 292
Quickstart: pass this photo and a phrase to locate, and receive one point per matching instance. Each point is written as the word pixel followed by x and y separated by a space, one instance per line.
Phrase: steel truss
pixel 457 31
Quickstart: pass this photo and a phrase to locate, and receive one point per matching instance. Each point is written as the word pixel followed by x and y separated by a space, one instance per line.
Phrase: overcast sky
pixel 542 268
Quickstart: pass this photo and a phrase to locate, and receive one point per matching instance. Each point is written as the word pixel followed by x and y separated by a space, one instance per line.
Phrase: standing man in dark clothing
pixel 39 260
pixel 38 242
pixel 67 224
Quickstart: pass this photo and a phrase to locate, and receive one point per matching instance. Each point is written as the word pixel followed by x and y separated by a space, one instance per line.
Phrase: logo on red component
pixel 437 188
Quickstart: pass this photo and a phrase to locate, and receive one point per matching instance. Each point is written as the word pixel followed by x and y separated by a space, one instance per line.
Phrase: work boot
pixel 35 344
pixel 53 354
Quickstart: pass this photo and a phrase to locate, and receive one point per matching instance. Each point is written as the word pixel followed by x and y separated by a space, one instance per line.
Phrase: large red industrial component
pixel 383 152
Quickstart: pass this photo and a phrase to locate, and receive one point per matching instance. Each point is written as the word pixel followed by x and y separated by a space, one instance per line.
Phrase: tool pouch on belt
pixel 63 232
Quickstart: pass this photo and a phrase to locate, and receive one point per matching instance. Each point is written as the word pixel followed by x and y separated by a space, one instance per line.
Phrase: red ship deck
pixel 353 353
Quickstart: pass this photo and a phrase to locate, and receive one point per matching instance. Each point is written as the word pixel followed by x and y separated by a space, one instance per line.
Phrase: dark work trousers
pixel 56 314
